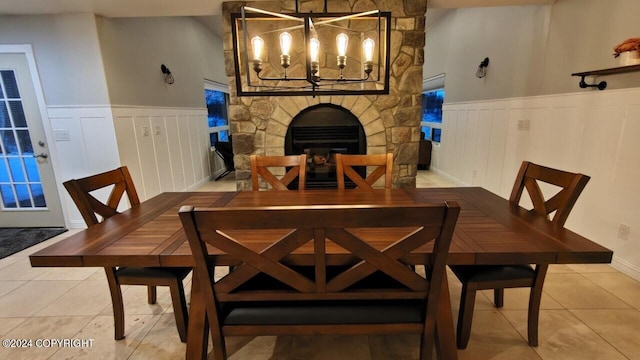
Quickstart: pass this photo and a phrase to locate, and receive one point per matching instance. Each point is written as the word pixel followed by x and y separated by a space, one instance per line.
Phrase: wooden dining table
pixel 489 230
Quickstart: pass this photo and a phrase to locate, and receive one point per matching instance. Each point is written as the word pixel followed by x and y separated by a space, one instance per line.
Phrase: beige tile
pixel 563 336
pixel 574 291
pixel 8 286
pixel 7 324
pixel 21 270
pixel 98 275
pixel 328 347
pixel 455 291
pixel 161 342
pixel 560 269
pixel 619 328
pixel 591 268
pixel 397 347
pixel 33 296
pixel 42 328
pixel 518 299
pixel 104 346
pixel 260 348
pixel 493 337
pixel 8 261
pixel 88 298
pixel 68 273
pixel 135 301
pixel 619 285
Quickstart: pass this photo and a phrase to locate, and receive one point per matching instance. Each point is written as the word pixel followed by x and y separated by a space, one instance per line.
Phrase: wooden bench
pixel 324 272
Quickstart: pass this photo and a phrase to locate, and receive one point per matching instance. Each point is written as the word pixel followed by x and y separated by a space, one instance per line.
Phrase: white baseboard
pixel 626 268
pixel 447 176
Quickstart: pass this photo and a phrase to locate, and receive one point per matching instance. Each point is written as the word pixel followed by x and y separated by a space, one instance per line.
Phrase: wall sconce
pixel 482 68
pixel 168 77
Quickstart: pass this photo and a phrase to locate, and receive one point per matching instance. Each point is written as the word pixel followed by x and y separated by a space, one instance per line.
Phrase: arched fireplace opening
pixel 321 131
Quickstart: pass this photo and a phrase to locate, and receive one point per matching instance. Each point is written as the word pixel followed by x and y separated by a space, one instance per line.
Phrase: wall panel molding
pixel 592 132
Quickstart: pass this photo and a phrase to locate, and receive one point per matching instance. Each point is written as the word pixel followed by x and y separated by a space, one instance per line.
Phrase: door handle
pixel 41 155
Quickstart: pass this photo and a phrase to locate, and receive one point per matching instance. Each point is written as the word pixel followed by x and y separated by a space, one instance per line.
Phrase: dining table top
pixel 489 230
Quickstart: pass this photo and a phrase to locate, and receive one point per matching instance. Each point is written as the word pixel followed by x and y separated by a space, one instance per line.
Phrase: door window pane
pixel 15 164
pixel 25 142
pixel 38 195
pixel 8 200
pixel 10 85
pixel 32 169
pixel 4 173
pixel 24 198
pixel 18 114
pixel 9 142
pixel 5 121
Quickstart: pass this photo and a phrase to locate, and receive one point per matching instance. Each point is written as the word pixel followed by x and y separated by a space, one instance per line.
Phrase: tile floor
pixel 588 312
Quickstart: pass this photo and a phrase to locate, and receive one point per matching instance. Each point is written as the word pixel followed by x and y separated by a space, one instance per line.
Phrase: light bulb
pixel 257 44
pixel 314 49
pixel 285 43
pixel 342 40
pixel 368 46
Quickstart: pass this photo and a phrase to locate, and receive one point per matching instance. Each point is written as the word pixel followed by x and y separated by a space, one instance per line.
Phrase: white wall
pixel 134 49
pixel 174 156
pixel 594 133
pixel 90 147
pixel 67 55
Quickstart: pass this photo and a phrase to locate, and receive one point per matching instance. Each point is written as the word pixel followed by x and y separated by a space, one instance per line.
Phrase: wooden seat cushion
pixel 481 273
pixel 324 312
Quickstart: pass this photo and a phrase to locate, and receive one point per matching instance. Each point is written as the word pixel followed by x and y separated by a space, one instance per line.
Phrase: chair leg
pixel 180 309
pixel 465 315
pixel 116 302
pixel 152 295
pixel 535 298
pixel 498 297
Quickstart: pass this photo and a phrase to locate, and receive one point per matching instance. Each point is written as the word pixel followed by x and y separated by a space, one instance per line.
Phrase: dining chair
pixel 499 277
pixel 297 168
pixel 120 182
pixel 267 293
pixel 345 167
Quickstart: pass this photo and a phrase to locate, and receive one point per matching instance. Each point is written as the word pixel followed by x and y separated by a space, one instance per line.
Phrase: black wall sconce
pixel 482 68
pixel 168 77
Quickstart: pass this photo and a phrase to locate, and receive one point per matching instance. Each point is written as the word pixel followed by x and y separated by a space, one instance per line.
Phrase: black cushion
pixel 480 273
pixel 324 313
pixel 153 272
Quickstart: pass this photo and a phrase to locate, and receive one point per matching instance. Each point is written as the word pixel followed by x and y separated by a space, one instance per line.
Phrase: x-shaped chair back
pixel 267 240
pixel 345 167
pixel 297 165
pixel 81 193
pixel 571 185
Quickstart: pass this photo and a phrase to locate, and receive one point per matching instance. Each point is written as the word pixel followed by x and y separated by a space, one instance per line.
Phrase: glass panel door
pixel 20 185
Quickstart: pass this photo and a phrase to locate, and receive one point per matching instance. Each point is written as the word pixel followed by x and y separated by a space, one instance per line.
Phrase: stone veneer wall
pixel 391 122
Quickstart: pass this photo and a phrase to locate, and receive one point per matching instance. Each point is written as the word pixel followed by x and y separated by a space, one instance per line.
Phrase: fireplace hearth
pixel 321 131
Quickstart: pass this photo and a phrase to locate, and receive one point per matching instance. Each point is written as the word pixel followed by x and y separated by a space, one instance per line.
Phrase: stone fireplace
pixel 389 123
pixel 321 131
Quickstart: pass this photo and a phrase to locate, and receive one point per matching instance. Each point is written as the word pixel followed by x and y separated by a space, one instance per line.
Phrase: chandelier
pixel 302 54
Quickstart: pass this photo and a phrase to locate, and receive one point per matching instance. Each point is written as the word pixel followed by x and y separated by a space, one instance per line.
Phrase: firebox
pixel 321 131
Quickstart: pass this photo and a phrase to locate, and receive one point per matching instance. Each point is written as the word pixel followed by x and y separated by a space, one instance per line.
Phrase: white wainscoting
pixel 85 142
pixel 593 132
pixel 173 156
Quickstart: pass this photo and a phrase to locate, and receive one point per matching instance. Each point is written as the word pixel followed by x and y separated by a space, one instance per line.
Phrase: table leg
pixel 445 335
pixel 198 333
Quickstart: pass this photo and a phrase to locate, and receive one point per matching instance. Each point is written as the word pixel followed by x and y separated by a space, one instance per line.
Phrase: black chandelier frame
pixel 314 83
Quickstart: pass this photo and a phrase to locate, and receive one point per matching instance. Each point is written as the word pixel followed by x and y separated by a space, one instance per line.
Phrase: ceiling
pixel 208 12
pixel 135 8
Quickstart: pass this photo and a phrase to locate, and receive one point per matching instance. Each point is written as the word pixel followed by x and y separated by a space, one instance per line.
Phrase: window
pixel 216 102
pixel 431 121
